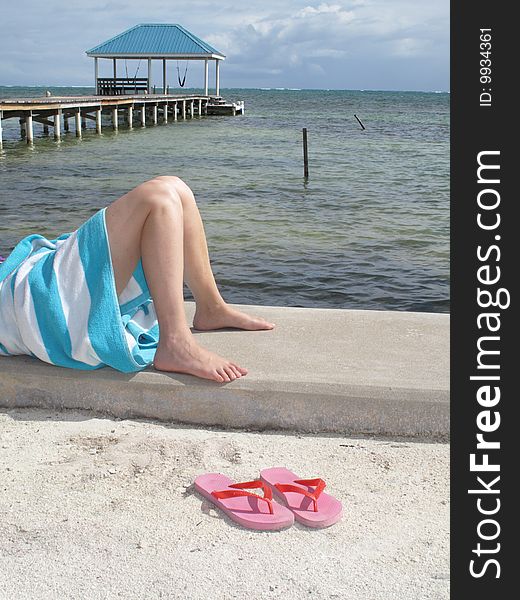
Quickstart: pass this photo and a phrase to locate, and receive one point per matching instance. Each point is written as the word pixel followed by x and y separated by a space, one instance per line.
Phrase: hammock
pixel 183 80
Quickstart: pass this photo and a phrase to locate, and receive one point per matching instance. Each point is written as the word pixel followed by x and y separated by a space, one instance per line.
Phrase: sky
pixel 341 44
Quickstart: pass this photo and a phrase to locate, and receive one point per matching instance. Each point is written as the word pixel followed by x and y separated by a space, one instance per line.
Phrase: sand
pixel 99 508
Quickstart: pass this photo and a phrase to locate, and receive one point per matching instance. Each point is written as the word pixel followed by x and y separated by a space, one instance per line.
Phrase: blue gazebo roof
pixel 155 40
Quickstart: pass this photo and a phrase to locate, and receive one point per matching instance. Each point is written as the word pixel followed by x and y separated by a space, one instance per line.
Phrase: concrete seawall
pixel 321 370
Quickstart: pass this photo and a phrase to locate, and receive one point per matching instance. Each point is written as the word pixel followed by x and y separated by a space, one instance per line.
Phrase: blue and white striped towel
pixel 58 303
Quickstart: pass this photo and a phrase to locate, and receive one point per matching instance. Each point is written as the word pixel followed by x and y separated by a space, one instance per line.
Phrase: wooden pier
pixel 140 110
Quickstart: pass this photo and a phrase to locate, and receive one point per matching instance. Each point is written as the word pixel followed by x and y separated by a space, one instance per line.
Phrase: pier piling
pixel 77 122
pixel 154 114
pixel 114 118
pixel 98 120
pixel 57 125
pixel 29 127
pixel 143 116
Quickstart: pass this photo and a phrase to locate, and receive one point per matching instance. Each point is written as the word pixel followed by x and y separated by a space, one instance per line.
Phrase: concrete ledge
pixel 320 370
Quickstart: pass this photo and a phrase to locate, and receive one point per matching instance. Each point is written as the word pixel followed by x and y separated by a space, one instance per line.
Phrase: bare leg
pixel 148 222
pixel 212 312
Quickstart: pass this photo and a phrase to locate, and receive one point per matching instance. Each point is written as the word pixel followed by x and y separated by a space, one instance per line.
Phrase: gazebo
pixel 152 41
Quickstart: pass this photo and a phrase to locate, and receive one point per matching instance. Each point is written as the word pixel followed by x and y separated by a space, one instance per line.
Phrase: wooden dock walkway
pixel 139 109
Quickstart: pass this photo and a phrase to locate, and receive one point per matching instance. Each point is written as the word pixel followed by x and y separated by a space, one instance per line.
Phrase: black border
pixel 476 128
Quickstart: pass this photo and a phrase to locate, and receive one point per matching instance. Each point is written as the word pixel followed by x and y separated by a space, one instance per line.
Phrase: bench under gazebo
pixel 152 42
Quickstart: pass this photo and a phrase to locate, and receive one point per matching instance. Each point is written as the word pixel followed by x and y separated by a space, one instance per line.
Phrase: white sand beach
pixel 98 508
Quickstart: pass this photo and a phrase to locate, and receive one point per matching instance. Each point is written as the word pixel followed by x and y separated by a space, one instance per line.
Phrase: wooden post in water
pixel 191 109
pixel 1 115
pixel 154 114
pixel 200 107
pixel 175 111
pixel 57 124
pixel 359 121
pixel 114 118
pixel 165 112
pixel 98 120
pixel 305 155
pixel 29 127
pixel 143 115
pixel 184 109
pixel 23 128
pixel 65 122
pixel 130 116
pixel 77 122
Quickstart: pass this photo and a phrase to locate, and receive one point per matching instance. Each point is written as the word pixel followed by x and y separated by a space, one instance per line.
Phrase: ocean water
pixel 368 230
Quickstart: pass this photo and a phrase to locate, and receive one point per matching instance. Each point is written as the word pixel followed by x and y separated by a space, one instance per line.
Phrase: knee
pixel 159 194
pixel 177 184
pixel 172 181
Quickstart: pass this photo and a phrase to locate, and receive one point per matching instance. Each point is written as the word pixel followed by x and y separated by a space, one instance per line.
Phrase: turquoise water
pixel 369 230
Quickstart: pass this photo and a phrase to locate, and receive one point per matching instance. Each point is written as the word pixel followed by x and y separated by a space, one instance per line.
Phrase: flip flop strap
pixel 319 483
pixel 268 494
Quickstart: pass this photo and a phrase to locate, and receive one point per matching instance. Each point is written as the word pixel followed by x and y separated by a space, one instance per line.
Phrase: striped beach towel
pixel 58 303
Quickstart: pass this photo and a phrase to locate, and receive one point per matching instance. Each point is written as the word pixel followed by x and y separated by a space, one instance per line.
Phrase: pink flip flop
pixel 248 509
pixel 312 507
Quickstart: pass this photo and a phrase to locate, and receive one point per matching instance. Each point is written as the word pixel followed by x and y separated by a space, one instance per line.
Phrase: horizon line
pixel 263 88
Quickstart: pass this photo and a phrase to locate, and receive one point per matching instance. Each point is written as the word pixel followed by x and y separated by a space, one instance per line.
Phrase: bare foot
pixel 224 316
pixel 184 355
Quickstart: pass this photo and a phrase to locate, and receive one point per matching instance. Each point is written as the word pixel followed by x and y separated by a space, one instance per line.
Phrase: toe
pixel 218 377
pixel 230 373
pixel 223 374
pixel 262 323
pixel 241 370
pixel 236 371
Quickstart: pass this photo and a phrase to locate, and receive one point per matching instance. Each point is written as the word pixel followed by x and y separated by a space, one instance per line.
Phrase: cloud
pixel 378 44
pixel 324 40
pixel 408 47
